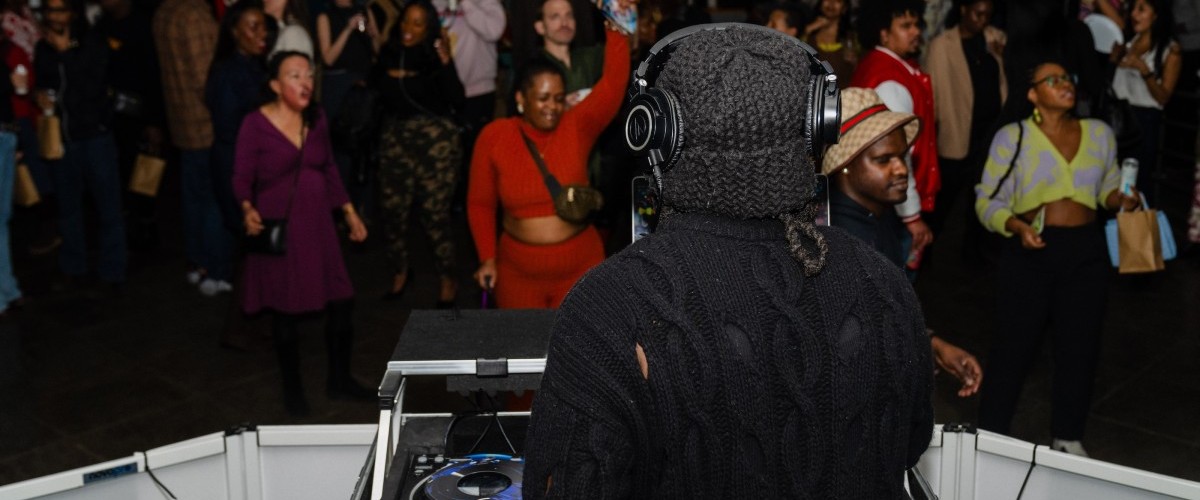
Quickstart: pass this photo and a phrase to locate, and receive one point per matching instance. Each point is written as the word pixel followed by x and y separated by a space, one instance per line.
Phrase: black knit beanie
pixel 743 97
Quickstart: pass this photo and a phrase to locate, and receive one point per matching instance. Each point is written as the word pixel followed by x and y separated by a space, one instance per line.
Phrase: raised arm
pixel 593 114
pixel 485 17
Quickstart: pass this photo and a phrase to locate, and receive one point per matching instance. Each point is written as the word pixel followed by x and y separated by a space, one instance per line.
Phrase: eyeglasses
pixel 1056 80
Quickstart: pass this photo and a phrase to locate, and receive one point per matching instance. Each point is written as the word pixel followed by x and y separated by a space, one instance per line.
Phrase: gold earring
pixel 846 171
pixel 520 109
pixel 1037 116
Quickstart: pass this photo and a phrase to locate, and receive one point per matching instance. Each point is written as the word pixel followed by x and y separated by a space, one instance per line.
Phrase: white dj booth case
pixel 323 462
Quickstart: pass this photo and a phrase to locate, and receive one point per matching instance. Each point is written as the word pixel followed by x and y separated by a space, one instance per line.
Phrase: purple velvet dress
pixel 311 273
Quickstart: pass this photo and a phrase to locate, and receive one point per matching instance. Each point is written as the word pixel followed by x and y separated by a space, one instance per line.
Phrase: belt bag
pixel 574 203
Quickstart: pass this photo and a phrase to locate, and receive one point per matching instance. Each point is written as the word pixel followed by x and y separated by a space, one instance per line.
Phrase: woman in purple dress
pixel 286 134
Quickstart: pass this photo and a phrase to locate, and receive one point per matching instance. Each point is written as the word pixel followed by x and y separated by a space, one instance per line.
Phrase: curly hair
pixel 877 16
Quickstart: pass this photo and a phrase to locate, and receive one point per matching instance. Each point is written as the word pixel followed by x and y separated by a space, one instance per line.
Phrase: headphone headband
pixel 654 125
pixel 648 69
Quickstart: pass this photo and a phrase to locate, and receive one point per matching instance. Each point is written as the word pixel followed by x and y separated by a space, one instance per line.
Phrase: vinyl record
pixel 483 477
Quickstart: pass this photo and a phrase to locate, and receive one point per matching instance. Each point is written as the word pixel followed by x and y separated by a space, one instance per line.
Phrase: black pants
pixel 1059 290
pixel 339 339
pixel 958 185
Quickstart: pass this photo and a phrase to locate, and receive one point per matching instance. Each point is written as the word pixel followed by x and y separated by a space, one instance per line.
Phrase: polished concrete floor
pixel 88 375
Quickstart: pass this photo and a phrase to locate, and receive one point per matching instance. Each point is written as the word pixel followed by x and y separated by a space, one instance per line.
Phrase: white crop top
pixel 1128 83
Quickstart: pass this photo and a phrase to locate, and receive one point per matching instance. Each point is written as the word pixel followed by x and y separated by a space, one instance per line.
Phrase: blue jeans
pixel 207 243
pixel 8 283
pixel 90 164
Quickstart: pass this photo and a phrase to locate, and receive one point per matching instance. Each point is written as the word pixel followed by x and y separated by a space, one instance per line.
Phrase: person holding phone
pixel 539 255
pixel 1052 280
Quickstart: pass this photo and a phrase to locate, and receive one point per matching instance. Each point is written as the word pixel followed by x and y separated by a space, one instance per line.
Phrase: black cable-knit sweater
pixel 763 383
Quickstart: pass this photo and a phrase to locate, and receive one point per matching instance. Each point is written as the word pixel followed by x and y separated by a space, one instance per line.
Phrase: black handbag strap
pixel 404 91
pixel 1013 163
pixel 296 177
pixel 552 184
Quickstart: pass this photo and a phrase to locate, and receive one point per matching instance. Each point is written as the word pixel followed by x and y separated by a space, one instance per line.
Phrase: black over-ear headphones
pixel 654 125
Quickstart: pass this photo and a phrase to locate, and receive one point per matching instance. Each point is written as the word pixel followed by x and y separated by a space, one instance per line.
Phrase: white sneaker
pixel 1072 447
pixel 209 288
pixel 194 277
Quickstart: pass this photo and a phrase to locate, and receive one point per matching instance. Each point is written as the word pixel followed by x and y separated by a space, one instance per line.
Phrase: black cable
pixel 1032 464
pixel 479 412
pixel 481 436
pixel 496 416
pixel 450 429
pixel 155 478
pixel 504 435
pixel 457 418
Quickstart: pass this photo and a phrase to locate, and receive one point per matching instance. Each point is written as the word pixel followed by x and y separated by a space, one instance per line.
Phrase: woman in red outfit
pixel 539 256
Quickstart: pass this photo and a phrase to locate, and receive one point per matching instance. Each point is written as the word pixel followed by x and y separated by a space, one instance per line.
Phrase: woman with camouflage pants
pixel 420 147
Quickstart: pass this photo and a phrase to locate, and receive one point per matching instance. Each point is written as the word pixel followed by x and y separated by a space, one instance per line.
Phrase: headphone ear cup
pixel 672 146
pixel 653 126
pixel 825 115
pixel 812 125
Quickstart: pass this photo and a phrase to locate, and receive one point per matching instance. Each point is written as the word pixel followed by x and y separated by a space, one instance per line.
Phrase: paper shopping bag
pixel 1139 242
pixel 147 175
pixel 49 134
pixel 25 191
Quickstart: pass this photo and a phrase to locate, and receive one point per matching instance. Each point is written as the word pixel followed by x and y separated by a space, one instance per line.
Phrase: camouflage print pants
pixel 418 161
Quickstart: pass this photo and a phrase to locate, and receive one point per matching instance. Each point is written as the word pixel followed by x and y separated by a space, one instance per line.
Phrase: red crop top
pixel 503 172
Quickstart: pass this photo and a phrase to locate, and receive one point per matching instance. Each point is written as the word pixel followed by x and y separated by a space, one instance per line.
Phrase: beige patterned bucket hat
pixel 864 120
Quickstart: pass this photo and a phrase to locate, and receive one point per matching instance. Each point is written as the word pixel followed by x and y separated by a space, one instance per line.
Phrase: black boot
pixel 339 340
pixel 287 349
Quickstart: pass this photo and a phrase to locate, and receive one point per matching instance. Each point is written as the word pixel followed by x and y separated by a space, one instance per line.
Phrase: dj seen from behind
pixel 739 351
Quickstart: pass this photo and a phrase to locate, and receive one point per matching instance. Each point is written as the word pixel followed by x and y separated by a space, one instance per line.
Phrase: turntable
pixel 457 456
pixel 482 476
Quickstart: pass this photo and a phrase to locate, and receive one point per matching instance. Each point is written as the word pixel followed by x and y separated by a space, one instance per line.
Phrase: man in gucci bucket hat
pixel 867 172
pixel 739 351
pixel 868 178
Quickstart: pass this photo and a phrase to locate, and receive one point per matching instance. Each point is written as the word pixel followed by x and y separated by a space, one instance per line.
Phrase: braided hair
pixel 743 95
